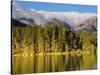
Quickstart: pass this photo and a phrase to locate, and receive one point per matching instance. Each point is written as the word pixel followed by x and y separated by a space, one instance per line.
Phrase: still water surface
pixel 39 63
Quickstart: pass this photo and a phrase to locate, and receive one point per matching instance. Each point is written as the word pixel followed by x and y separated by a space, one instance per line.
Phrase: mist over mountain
pixel 74 20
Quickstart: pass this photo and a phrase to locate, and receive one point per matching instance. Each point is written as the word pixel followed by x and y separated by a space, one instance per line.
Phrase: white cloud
pixel 32 9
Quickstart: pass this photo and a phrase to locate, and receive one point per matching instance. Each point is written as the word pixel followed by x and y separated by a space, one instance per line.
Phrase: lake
pixel 24 63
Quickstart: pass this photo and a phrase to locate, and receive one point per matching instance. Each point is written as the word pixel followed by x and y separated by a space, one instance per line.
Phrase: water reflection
pixel 38 63
pixel 74 62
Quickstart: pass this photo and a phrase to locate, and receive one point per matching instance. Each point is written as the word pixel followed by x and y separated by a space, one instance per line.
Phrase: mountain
pixel 73 20
pixel 17 23
pixel 88 25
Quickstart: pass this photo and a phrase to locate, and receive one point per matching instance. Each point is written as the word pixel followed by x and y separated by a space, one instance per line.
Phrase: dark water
pixel 24 63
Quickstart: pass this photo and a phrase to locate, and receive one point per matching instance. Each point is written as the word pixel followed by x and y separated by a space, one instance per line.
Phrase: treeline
pixel 48 38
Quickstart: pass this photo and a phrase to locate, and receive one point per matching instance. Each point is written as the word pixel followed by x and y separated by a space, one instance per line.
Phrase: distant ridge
pixel 73 20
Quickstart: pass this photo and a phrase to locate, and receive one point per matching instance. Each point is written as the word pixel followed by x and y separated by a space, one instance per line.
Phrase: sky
pixel 58 7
